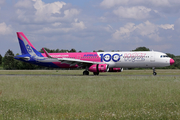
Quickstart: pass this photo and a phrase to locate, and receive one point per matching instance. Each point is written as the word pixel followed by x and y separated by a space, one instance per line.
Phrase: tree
pixel 72 50
pixel 63 51
pixel 98 51
pixel 57 50
pixel 0 59
pixel 141 49
pixel 177 62
pixel 48 50
pixel 8 60
pixel 171 55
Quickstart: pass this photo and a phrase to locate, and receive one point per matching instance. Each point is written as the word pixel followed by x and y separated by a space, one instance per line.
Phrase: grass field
pixel 74 96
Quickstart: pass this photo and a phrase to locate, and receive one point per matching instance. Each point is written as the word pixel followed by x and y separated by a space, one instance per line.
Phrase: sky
pixel 87 25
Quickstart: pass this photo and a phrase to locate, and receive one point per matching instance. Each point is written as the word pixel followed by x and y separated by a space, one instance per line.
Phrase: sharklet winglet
pixel 47 54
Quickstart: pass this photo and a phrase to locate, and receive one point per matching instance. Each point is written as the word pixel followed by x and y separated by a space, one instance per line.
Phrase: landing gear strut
pixel 86 72
pixel 154 71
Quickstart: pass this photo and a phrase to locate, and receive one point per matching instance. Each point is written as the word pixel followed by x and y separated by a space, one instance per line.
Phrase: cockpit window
pixel 163 56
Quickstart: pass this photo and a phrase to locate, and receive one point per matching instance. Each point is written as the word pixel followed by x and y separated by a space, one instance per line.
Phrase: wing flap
pixel 66 60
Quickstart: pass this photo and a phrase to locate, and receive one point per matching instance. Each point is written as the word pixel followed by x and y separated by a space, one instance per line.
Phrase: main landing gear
pixel 85 72
pixel 154 71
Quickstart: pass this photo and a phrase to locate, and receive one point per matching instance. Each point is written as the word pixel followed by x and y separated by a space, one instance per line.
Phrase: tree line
pixel 9 63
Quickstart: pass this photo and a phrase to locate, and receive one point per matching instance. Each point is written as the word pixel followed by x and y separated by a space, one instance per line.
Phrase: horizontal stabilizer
pixel 24 58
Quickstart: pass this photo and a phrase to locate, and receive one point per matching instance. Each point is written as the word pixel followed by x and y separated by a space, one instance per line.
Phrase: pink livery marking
pixel 89 56
pixel 64 65
pixel 99 68
pixel 19 34
pixel 134 56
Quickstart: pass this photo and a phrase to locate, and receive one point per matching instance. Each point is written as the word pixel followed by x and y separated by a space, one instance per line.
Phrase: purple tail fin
pixel 26 46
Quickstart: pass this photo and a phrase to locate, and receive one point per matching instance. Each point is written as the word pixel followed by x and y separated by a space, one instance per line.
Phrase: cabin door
pixel 79 57
pixel 152 57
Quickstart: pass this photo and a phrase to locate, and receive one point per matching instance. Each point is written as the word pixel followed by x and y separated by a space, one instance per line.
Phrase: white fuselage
pixel 135 59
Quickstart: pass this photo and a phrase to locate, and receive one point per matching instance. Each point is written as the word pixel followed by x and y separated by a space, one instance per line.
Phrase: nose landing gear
pixel 154 71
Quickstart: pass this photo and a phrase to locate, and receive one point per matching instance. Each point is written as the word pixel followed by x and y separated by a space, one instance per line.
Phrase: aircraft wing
pixel 71 61
pixel 79 62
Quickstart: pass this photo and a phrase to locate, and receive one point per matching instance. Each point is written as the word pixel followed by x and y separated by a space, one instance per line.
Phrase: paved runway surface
pixel 87 76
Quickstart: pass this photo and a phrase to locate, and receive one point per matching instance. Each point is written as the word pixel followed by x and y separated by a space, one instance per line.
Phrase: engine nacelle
pixel 115 69
pixel 99 68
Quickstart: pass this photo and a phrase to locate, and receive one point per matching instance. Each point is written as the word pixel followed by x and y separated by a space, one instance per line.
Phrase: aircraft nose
pixel 171 61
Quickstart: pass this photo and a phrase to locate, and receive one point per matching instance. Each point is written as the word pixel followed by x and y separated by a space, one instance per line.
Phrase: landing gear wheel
pixel 96 73
pixel 85 73
pixel 154 73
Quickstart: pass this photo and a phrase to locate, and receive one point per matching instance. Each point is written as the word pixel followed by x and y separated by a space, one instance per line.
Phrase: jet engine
pixel 115 69
pixel 96 68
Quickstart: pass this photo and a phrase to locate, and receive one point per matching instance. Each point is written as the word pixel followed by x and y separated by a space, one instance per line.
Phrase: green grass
pixel 1 68
pixel 90 97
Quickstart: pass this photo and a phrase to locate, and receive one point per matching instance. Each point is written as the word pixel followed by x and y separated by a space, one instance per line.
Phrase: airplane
pixel 95 62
